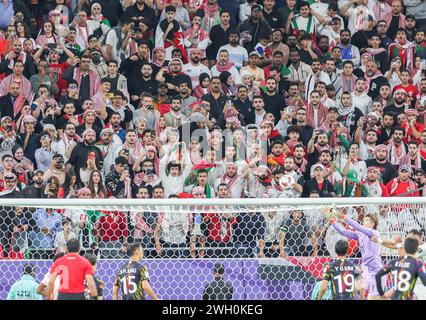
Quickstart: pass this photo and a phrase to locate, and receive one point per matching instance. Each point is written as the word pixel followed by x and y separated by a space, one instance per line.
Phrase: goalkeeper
pixel 370 251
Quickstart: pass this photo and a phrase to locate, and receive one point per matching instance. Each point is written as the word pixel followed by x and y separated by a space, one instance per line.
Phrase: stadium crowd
pixel 205 98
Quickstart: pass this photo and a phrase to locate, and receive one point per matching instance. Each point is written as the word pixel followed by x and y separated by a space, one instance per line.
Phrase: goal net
pixel 267 248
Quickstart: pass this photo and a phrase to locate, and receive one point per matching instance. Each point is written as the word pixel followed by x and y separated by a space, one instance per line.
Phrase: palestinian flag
pixel 192 178
pixel 164 108
pixel 93 217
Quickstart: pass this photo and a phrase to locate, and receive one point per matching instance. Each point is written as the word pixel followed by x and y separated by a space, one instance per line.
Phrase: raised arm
pixel 367 231
pixel 344 232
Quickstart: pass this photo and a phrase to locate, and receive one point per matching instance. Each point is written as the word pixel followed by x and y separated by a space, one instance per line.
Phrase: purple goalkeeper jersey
pixel 370 250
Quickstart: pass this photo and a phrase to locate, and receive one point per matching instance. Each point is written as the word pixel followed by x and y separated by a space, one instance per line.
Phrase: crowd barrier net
pixel 269 248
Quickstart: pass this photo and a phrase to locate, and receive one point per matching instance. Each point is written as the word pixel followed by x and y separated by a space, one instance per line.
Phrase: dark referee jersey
pixel 342 274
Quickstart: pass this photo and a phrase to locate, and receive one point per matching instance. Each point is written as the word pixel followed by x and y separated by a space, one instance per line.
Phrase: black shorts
pixel 71 296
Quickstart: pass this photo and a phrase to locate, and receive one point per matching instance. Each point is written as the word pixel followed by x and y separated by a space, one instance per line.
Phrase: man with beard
pixel 17 54
pixel 88 80
pixel 278 46
pixel 255 28
pixel 330 70
pixel 146 83
pixel 132 66
pixel 186 99
pixel 387 170
pixel 318 143
pixel 117 106
pixel 218 35
pixel 271 16
pixel 277 191
pixel 322 50
pixel 35 190
pixel 306 130
pixel 80 153
pixel 175 118
pixel 332 174
pixel 259 182
pixel 374 79
pixel 118 181
pixel 299 71
pixel 290 169
pixel 141 9
pixel 316 75
pixel 68 140
pixel 173 76
pixel 238 55
pixel 399 105
pixel 316 113
pixel 300 162
pixel 243 104
pixel 422 146
pixel 349 52
pixel 413 158
pixel 110 149
pixel 367 145
pixel 216 98
pixel 194 68
pixel 385 97
pixel 419 40
pixel 402 186
pixel 115 123
pixel 396 147
pixel 234 181
pixel 8 101
pixel 374 187
pixel 420 178
pixel 382 28
pixel 224 64
pixel 360 97
pixel 277 67
pixel 274 102
pixel 56 169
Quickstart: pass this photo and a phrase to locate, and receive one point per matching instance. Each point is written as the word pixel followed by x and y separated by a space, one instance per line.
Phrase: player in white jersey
pixel 419 289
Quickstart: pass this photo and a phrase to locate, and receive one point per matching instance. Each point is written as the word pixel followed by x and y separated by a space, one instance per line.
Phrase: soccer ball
pixel 287 182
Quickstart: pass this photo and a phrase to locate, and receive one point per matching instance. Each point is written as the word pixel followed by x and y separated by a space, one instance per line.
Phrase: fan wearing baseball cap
pixel 403 186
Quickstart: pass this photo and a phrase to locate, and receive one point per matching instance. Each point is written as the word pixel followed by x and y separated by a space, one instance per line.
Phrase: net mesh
pixel 267 252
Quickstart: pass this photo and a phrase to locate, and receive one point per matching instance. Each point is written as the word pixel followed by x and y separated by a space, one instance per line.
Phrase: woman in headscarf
pixel 203 87
pixel 228 84
pixel 98 23
pixel 23 165
pixel 47 34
